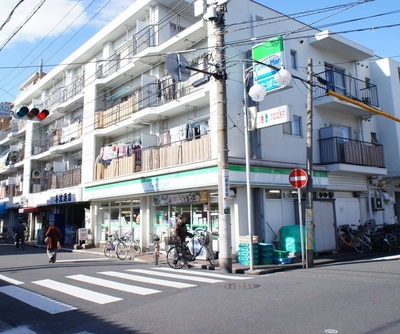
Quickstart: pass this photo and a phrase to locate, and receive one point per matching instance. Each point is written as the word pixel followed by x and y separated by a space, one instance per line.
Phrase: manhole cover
pixel 241 286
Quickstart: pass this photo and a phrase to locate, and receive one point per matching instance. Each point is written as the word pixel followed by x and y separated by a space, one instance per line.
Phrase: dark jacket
pixel 181 231
pixel 54 235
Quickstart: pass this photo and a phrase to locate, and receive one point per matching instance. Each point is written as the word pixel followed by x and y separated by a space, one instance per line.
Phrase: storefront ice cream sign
pixel 270 53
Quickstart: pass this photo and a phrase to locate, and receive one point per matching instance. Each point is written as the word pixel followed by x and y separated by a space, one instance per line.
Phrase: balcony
pixel 63 94
pixel 348 86
pixel 58 138
pixel 149 96
pixel 50 180
pixel 156 157
pixel 337 152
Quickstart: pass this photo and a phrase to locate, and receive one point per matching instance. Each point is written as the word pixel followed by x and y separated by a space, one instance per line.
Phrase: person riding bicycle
pixel 181 232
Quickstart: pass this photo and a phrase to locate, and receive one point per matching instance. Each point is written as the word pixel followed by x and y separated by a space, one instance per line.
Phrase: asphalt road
pixel 84 293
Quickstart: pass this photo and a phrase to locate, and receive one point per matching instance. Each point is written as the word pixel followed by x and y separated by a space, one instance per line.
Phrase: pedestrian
pixel 20 231
pixel 181 230
pixel 53 236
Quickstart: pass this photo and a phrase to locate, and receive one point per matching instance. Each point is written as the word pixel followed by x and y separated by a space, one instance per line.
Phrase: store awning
pixel 28 210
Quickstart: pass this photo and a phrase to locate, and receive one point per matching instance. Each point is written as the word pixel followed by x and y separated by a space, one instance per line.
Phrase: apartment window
pixel 335 78
pixel 374 138
pixel 294 127
pixel 100 70
pixel 293 59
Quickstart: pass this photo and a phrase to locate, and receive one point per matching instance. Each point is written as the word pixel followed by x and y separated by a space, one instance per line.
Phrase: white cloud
pixel 53 18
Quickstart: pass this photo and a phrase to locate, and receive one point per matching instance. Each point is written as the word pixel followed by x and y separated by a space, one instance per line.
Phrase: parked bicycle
pixel 156 243
pixel 381 238
pixel 179 254
pixel 349 238
pixel 128 244
pixel 111 244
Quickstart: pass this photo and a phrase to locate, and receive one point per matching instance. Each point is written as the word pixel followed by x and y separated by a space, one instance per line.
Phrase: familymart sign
pixel 270 53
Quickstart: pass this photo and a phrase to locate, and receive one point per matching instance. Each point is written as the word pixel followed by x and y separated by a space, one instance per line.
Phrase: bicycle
pixel 348 238
pixel 128 244
pixel 156 243
pixel 179 254
pixel 110 245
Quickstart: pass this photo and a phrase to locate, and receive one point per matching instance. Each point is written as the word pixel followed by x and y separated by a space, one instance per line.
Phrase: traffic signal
pixel 33 114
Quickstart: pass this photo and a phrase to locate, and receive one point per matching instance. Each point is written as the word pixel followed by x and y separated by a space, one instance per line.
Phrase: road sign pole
pixel 301 227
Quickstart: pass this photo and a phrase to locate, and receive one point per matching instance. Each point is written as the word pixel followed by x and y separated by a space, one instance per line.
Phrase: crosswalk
pixel 152 281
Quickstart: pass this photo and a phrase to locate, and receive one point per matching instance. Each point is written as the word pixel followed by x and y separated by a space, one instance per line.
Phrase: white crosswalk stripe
pixel 113 285
pixel 95 297
pixel 149 280
pixel 158 276
pixel 31 298
pixel 206 273
pixel 177 276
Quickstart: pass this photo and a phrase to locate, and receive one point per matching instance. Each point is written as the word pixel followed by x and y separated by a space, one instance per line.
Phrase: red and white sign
pixel 298 178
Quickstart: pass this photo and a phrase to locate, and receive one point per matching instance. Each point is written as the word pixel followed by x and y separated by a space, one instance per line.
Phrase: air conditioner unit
pixel 36 174
pixel 376 203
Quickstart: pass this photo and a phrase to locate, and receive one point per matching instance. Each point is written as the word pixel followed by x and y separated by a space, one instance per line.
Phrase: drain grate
pixel 241 286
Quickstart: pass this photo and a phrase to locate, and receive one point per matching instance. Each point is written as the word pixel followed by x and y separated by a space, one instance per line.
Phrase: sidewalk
pixel 319 259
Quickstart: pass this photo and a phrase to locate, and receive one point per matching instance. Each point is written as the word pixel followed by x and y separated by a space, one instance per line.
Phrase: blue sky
pixel 58 27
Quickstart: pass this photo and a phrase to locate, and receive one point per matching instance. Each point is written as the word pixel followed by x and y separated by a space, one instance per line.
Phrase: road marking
pixel 114 285
pixel 43 303
pixel 92 296
pixel 86 260
pixel 149 280
pixel 177 276
pixel 10 280
pixel 205 273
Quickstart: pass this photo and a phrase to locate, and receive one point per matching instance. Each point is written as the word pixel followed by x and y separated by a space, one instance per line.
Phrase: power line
pixel 11 13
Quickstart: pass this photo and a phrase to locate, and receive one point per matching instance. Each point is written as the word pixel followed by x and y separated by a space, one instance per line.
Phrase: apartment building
pixel 126 146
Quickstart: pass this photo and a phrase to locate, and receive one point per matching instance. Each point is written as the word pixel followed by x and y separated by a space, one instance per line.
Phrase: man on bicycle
pixel 181 232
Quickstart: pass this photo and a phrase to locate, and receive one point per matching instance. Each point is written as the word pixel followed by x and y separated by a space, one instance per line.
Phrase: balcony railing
pixel 58 137
pixel 152 95
pixel 156 157
pixel 64 94
pixel 348 86
pixel 50 180
pixel 341 150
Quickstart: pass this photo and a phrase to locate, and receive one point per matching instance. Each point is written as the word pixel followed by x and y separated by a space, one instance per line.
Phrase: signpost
pixel 298 178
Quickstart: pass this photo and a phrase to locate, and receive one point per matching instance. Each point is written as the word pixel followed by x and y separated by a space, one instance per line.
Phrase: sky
pixel 50 30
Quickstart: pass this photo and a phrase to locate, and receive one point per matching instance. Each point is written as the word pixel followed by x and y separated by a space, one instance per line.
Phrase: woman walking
pixel 53 235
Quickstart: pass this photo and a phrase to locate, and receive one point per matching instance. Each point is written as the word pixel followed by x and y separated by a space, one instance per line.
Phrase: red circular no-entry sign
pixel 298 178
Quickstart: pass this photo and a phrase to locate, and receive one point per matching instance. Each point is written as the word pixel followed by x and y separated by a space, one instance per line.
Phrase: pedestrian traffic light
pixel 33 114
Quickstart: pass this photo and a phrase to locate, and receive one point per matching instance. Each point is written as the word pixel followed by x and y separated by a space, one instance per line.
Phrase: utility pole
pixel 309 164
pixel 224 210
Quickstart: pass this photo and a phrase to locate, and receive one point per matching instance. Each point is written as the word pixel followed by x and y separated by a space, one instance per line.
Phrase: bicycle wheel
pixel 361 243
pixel 122 250
pixel 108 248
pixel 156 255
pixel 210 256
pixel 136 248
pixel 343 244
pixel 390 242
pixel 175 257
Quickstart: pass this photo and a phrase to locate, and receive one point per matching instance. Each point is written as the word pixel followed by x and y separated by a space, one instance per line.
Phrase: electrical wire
pixel 10 15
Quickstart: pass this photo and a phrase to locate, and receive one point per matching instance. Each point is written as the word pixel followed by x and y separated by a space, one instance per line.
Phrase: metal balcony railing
pixel 152 95
pixel 354 152
pixel 348 86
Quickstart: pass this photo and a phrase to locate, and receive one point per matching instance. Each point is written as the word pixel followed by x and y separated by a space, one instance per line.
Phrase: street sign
pixel 298 178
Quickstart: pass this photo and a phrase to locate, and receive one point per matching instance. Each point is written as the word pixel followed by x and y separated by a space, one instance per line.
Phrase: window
pixel 374 138
pixel 335 78
pixel 293 128
pixel 293 59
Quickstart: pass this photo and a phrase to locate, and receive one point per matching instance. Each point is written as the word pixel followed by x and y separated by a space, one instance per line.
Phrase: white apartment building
pixel 126 146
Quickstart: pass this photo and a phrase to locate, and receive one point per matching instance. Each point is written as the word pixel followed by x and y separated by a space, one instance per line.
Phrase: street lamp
pixel 257 92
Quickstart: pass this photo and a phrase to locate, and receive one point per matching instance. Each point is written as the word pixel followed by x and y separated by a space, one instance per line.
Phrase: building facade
pixel 126 146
